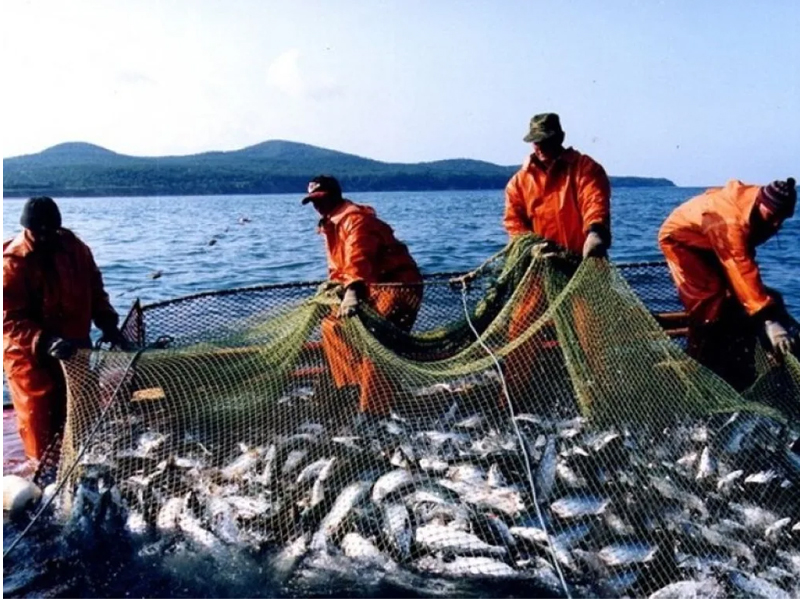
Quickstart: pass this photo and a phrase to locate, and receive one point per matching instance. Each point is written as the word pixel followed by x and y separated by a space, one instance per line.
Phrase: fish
pixel 774 530
pixel 579 506
pixel 466 472
pixel 197 534
pixel 725 484
pixel 241 465
pixel 492 529
pixel 433 465
pixel 705 588
pixel 504 499
pixel 466 566
pixel 310 473
pixel 222 520
pixel 354 545
pixel 495 477
pixel 318 489
pixel 761 477
pixel 397 530
pixel 147 444
pixel 438 538
pixel 389 483
pixel 627 553
pixel 248 507
pixel 293 461
pixel 707 465
pixel 545 477
pixel 470 423
pixel 347 499
pixel 284 562
pixel 756 587
pixel 670 491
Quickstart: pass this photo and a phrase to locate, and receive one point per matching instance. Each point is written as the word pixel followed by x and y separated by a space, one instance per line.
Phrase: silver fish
pixel 311 472
pixel 433 465
pixel 356 546
pixel 397 530
pixel 248 507
pixel 241 465
pixel 197 534
pixel 466 472
pixel 284 563
pixel 403 456
pixel 726 483
pixel 545 477
pixel 465 566
pixel 388 483
pixel 167 519
pixel 761 477
pixel 318 489
pixel 579 506
pixel 293 461
pixel 473 422
pixel 569 477
pixel 625 554
pixel 774 530
pixel 437 538
pixel 504 499
pixel 756 587
pixel 706 588
pixel 495 477
pixel 707 466
pixel 669 490
pixel 222 520
pixel 347 499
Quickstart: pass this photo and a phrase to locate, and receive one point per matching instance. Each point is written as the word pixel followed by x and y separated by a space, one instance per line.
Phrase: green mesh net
pixel 532 422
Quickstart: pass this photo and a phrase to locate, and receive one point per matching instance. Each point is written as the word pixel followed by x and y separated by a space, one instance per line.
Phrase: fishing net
pixel 535 422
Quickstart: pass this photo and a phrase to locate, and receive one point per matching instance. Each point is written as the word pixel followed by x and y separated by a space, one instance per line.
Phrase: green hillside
pixel 276 166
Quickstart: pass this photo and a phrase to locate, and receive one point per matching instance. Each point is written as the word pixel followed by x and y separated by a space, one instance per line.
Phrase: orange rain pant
pixel 520 362
pixel 38 393
pixel 721 336
pixel 399 305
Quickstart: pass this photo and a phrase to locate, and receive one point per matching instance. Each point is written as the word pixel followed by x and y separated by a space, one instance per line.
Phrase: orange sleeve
pixel 731 247
pixel 362 242
pixel 594 194
pixel 18 326
pixel 103 314
pixel 515 219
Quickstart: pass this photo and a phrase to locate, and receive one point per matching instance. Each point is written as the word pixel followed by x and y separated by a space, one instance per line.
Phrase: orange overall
pixel 362 249
pixel 561 203
pixel 58 294
pixel 708 245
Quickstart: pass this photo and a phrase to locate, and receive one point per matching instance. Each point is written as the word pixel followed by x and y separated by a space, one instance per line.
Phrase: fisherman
pixel 709 243
pixel 564 197
pixel 52 291
pixel 362 251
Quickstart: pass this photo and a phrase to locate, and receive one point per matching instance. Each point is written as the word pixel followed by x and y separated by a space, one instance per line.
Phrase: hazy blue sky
pixel 696 91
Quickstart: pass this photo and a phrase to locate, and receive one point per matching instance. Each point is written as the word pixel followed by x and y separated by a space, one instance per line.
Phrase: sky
pixel 696 91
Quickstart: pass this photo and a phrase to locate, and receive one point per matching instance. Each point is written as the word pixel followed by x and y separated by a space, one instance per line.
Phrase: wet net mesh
pixel 537 421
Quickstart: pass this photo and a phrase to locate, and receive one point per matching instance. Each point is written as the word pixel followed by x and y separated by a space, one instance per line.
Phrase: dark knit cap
pixel 40 213
pixel 780 196
pixel 323 186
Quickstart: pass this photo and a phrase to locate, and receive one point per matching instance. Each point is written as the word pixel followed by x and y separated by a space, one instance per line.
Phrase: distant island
pixel 275 166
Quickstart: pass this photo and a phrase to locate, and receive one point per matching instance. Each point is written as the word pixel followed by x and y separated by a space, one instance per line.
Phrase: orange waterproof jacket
pixel 362 248
pixel 718 221
pixel 56 295
pixel 560 203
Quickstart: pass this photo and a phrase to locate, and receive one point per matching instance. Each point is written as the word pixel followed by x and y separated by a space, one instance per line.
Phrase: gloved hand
pixel 594 246
pixel 349 305
pixel 327 286
pixel 778 337
pixel 58 347
pixel 114 337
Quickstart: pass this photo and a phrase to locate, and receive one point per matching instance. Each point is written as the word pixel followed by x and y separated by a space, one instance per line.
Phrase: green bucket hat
pixel 543 126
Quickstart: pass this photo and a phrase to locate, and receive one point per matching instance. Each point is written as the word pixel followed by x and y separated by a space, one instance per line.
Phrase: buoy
pixel 19 494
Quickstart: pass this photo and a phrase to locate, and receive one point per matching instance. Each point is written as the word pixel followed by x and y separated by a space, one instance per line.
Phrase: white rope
pixel 528 468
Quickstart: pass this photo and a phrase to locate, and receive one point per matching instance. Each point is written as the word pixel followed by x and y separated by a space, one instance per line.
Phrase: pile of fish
pixel 706 509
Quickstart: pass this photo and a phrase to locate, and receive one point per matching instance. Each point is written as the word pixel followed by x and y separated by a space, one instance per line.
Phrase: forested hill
pixel 276 166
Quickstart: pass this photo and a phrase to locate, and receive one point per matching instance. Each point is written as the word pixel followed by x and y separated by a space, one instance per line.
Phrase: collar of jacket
pixel 568 156
pixel 23 244
pixel 346 208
